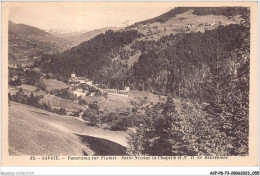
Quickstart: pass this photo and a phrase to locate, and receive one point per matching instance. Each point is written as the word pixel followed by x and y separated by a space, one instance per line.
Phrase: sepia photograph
pixel 128 81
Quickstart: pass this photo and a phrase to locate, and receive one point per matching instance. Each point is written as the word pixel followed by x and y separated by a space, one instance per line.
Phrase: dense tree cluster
pixel 20 97
pixel 183 64
pixel 222 128
pixel 164 131
pixel 14 82
pixel 31 77
pixel 34 100
pixel 63 93
pixel 89 58
pixel 161 133
pixel 115 121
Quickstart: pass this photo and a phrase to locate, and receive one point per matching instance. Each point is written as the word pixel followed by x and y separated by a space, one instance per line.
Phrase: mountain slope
pixel 180 60
pixel 40 136
pixel 25 42
pixel 200 11
pixel 45 133
pixel 90 57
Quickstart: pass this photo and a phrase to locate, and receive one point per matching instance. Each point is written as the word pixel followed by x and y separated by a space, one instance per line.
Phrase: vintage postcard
pixel 129 84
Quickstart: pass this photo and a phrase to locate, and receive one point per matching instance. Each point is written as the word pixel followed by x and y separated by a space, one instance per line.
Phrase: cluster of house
pixel 124 92
pixel 14 78
pixel 194 27
pixel 80 87
pixel 75 81
pixel 23 66
pixel 210 24
pixel 13 66
pixel 190 27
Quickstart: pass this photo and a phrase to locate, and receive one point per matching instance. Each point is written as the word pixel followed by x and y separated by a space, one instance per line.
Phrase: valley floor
pixel 37 132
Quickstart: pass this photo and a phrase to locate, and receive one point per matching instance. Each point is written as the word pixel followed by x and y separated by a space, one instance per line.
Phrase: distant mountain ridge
pixel 75 38
pixel 200 11
pixel 25 42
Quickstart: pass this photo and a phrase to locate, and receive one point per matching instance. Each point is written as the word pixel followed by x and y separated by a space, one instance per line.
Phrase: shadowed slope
pixel 102 146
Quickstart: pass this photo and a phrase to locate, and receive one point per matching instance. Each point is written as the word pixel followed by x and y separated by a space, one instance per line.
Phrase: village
pixel 71 97
pixel 78 97
pixel 81 86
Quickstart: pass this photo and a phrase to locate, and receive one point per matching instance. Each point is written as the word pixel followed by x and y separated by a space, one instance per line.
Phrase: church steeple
pixel 73 75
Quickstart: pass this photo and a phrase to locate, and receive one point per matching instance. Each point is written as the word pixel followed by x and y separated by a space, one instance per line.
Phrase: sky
pixel 83 16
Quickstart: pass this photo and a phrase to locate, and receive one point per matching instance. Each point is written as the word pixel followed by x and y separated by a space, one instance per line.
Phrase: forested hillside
pixel 222 126
pixel 90 58
pixel 181 64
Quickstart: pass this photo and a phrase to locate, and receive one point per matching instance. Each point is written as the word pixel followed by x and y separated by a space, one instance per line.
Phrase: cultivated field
pixel 117 102
pixel 69 105
pixel 54 84
pixel 156 30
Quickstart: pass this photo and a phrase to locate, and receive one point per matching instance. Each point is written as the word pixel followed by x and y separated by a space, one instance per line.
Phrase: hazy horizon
pixel 83 16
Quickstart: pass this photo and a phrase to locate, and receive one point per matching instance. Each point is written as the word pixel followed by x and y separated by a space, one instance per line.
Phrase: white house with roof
pixel 124 92
pixel 74 80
